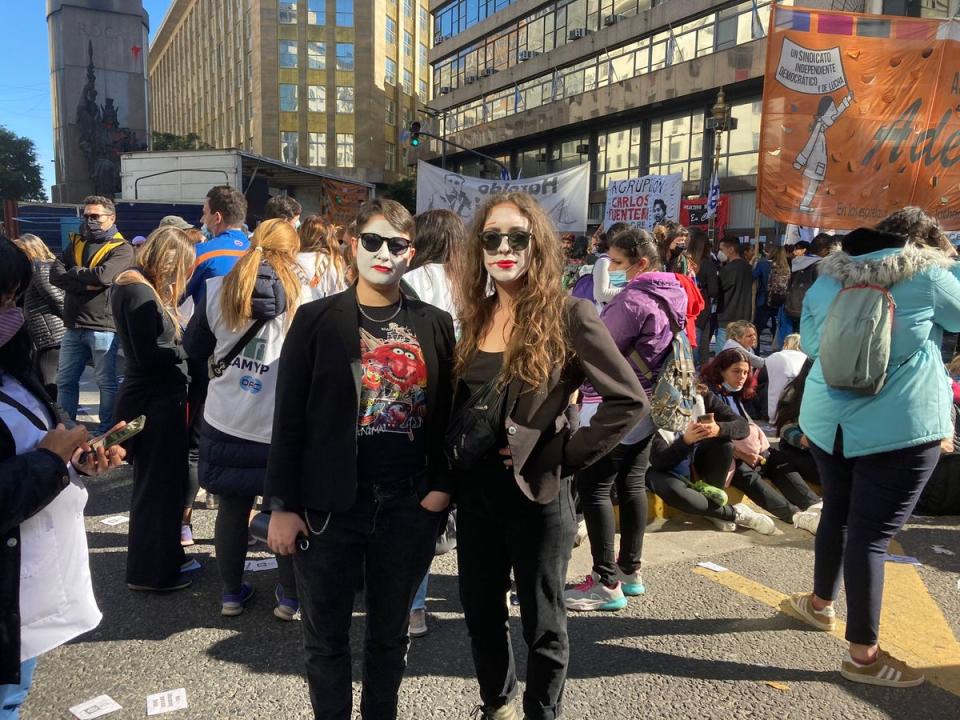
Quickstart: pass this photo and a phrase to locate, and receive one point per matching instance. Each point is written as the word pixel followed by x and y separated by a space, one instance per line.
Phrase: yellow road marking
pixel 912 624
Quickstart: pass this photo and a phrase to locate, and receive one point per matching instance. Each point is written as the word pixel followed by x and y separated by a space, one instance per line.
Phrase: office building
pixel 326 84
pixel 625 84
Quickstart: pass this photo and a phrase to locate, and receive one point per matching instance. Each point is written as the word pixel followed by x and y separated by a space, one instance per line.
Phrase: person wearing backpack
pixel 803 273
pixel 641 320
pixel 874 428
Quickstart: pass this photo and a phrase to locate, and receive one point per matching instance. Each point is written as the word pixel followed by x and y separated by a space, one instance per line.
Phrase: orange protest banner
pixel 861 117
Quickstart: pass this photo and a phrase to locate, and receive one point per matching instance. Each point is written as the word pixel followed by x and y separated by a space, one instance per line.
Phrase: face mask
pixel 722 256
pixel 296 225
pixel 381 268
pixel 93 231
pixel 11 320
pixel 729 388
pixel 679 248
pixel 206 232
pixel 618 278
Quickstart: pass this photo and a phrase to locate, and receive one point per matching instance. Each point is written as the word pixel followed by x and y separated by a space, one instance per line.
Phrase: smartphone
pixel 706 419
pixel 116 437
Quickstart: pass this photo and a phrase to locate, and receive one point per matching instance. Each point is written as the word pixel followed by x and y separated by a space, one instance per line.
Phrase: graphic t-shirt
pixel 391 444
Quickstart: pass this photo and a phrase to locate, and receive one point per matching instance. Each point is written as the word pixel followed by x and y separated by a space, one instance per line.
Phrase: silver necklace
pixel 377 320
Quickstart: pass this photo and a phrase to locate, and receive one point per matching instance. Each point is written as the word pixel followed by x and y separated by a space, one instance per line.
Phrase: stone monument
pixel 98 80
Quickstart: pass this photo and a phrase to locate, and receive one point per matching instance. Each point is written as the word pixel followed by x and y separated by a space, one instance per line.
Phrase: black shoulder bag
pixel 473 431
pixel 218 367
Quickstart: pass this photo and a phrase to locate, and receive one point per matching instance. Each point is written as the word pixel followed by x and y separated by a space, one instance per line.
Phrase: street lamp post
pixel 720 122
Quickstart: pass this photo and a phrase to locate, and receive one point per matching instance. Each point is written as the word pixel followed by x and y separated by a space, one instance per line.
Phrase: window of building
pixel 316 98
pixel 390 33
pixel 391 112
pixel 345 157
pixel 423 55
pixel 317 148
pixel 424 19
pixel 390 156
pixel 316 13
pixel 422 90
pixel 345 13
pixel 288 53
pixel 407 44
pixel 344 56
pixel 568 153
pixel 618 155
pixel 407 82
pixel 408 9
pixel 289 147
pixel 404 117
pixel 741 147
pixel 390 72
pixel 676 145
pixel 288 97
pixel 287 13
pixel 345 99
pixel 316 55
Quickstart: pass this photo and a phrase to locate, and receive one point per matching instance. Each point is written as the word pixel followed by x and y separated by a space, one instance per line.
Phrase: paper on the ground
pixel 903 559
pixel 167 701
pixel 941 550
pixel 712 566
pixel 257 565
pixel 97 707
pixel 115 520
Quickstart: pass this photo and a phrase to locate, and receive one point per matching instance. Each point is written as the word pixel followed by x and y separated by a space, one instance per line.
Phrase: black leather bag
pixel 474 430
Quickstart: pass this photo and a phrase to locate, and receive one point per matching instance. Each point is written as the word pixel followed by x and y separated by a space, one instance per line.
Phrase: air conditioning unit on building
pixel 439 39
pixel 613 19
pixel 577 33
pixel 471 79
pixel 583 149
pixel 525 55
pixel 488 71
pixel 445 89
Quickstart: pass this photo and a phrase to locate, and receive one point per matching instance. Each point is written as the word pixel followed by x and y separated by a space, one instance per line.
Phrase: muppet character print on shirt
pixel 394 382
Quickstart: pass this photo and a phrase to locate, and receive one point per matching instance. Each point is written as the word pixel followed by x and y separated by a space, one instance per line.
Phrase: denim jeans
pixel 721 338
pixel 420 599
pixel 78 346
pixel 12 696
pixel 866 500
pixel 388 538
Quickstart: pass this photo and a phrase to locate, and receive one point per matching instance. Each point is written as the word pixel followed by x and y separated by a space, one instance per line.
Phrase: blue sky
pixel 25 74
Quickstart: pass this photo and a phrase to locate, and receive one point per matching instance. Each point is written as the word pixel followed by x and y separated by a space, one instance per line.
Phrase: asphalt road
pixel 690 648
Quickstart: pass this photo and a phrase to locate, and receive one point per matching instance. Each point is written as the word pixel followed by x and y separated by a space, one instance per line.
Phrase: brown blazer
pixel 544 446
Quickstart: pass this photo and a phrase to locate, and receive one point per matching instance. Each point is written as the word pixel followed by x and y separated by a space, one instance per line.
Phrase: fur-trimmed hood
pixel 885 270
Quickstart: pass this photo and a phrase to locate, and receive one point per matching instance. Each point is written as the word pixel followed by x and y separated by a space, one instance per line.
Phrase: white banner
pixel 644 201
pixel 563 195
pixel 813 72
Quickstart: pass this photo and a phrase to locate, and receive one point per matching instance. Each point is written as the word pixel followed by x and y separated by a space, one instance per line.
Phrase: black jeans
pixel 230 540
pixel 802 461
pixel 499 529
pixel 866 500
pixel 788 495
pixel 388 539
pixel 625 466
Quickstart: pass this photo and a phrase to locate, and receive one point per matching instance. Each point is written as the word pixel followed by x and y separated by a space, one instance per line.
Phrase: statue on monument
pixel 102 140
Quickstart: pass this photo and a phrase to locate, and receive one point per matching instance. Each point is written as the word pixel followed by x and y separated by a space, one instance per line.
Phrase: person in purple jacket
pixel 639 319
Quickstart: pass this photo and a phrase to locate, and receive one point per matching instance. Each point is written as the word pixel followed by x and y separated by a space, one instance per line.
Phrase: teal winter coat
pixel 913 408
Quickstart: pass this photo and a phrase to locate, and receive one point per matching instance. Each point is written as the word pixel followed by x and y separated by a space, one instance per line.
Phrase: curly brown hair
pixel 919 228
pixel 539 343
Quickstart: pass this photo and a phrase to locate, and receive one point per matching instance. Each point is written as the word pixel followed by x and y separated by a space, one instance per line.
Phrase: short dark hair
pixel 283 207
pixel 661 202
pixel 106 202
pixel 229 202
pixel 438 231
pixel 637 244
pixel 732 242
pixel 823 242
pixel 391 211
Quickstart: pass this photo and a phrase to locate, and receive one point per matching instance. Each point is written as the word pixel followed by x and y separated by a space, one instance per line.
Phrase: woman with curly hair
pixel 729 376
pixel 671 239
pixel 918 228
pixel 521 336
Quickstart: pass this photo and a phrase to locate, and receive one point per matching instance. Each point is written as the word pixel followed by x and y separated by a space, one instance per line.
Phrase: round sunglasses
pixel 372 242
pixel 517 240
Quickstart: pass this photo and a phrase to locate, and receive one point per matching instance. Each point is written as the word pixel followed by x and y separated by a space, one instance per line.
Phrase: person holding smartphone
pixel 46 594
pixel 357 465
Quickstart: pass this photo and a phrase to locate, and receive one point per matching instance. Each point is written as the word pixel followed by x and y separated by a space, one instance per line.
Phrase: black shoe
pixel 182 582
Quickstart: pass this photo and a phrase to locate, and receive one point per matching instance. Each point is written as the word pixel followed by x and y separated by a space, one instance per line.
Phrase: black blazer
pixel 544 446
pixel 313 453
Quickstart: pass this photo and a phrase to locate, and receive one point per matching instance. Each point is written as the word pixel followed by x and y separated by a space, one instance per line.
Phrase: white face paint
pixel 380 268
pixel 507 265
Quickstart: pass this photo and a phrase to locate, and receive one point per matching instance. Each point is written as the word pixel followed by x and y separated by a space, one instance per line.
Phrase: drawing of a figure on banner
pixel 812 160
pixel 452 197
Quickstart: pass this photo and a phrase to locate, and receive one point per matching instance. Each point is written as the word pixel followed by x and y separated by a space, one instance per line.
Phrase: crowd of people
pixel 370 382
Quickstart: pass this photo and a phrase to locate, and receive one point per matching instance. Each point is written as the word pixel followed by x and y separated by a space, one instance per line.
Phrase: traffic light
pixel 414 134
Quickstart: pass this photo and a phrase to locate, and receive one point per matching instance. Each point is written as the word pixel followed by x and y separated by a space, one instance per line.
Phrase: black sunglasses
pixel 517 239
pixel 372 242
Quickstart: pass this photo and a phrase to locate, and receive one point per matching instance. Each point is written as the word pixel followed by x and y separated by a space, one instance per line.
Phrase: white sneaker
pixel 807 520
pixel 723 525
pixel 592 594
pixel 581 533
pixel 749 518
pixel 418 623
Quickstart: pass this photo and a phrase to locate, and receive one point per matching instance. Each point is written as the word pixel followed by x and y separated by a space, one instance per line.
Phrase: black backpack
pixel 800 282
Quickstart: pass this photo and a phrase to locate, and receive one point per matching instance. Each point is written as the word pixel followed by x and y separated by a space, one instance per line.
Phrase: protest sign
pixel 693 213
pixel 644 201
pixel 861 117
pixel 563 195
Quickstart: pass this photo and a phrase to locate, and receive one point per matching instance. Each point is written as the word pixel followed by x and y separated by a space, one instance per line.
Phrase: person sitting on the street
pixel 788 498
pixel 794 444
pixel 742 335
pixel 689 469
pixel 782 367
